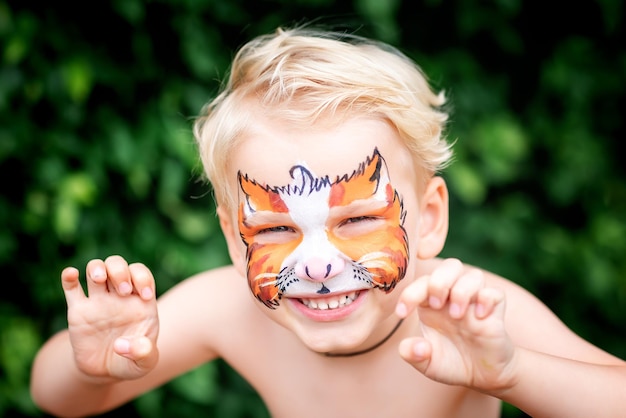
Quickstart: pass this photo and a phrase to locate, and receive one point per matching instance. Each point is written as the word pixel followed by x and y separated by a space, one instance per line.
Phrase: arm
pixel 552 386
pixel 559 373
pixel 111 337
pixel 109 354
pixel 531 359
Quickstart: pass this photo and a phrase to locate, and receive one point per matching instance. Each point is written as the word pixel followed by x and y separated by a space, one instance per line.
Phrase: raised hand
pixel 113 330
pixel 463 341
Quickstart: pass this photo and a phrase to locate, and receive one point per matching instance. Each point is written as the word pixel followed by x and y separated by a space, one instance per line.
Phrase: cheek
pixel 263 266
pixel 384 253
pixel 391 240
pixel 266 258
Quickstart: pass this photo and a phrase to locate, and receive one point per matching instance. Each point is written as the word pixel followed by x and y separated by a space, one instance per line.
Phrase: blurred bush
pixel 97 157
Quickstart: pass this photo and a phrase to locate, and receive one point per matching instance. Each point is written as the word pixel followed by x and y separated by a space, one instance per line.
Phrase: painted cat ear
pixel 434 218
pixel 371 179
pixel 258 197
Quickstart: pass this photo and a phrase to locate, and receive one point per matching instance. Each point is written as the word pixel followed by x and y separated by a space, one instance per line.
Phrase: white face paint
pixel 317 236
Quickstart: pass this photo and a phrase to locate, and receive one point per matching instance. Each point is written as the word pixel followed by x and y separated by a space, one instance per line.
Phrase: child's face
pixel 324 236
pixel 325 223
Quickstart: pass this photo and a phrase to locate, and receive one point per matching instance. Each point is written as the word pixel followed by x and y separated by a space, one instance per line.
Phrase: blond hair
pixel 300 74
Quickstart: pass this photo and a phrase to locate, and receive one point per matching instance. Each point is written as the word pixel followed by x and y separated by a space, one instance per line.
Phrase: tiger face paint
pixel 318 235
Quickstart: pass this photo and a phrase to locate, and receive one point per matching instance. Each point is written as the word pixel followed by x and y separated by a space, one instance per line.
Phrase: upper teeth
pixel 332 302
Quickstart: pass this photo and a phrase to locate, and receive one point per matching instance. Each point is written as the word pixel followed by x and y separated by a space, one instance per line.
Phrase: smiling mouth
pixel 330 302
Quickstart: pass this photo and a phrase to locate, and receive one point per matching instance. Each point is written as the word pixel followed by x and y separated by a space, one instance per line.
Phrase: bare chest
pixel 312 387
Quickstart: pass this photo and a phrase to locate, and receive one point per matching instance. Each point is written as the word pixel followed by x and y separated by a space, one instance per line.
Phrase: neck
pixel 367 350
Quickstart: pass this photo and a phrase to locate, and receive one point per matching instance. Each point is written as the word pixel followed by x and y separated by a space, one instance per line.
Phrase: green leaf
pixel 78 77
pixel 198 385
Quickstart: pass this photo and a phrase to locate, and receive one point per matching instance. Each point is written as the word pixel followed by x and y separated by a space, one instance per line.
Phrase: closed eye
pixel 273 235
pixel 276 229
pixel 359 225
pixel 358 219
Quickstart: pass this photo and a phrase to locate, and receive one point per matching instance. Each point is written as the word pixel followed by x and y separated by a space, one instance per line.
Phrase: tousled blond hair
pixel 301 74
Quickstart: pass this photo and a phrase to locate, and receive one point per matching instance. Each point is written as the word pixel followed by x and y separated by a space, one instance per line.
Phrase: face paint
pixel 317 236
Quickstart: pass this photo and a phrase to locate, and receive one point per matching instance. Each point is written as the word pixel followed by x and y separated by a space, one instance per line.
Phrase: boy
pixel 323 151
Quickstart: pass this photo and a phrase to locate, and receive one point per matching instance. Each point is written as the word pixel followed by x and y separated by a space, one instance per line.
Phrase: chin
pixel 333 341
pixel 343 331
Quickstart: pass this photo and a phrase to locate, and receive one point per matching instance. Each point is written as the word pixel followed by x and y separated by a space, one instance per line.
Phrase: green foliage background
pixel 97 157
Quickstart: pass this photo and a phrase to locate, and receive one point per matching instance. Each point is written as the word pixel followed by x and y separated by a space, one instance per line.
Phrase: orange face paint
pixel 318 236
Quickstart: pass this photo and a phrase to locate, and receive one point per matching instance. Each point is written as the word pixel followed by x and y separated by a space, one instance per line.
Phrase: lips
pixel 330 302
pixel 334 307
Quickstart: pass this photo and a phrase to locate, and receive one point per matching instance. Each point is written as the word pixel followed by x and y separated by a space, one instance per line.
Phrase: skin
pixel 469 337
pixel 299 241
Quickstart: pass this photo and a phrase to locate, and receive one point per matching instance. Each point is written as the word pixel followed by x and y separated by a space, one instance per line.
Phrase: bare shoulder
pixel 211 305
pixel 197 319
pixel 532 324
pixel 206 284
pixel 206 292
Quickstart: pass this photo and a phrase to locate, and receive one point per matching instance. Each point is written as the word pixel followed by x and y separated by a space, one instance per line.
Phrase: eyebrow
pixel 266 217
pixel 359 206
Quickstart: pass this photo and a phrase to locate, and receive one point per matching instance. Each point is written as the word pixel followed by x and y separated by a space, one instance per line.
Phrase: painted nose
pixel 319 269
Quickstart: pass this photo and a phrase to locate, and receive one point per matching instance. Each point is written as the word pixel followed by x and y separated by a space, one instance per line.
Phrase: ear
pixel 433 223
pixel 233 241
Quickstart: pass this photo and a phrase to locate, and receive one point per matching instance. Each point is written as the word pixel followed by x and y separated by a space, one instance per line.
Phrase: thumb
pixel 71 286
pixel 416 351
pixel 138 349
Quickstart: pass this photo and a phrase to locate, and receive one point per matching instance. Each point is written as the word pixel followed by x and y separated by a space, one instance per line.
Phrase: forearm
pixel 549 386
pixel 58 387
